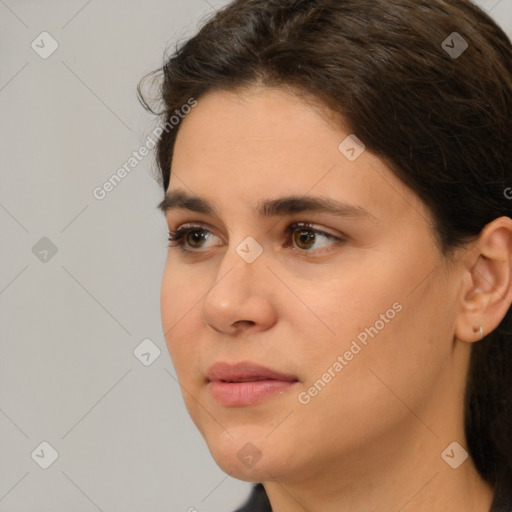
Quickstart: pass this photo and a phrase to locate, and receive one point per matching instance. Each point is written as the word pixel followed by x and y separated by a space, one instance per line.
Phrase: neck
pixel 402 470
pixel 422 483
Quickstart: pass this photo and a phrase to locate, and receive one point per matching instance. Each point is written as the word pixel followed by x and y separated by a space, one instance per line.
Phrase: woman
pixel 336 295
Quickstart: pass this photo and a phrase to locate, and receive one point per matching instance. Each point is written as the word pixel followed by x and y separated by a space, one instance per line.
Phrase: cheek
pixel 181 290
pixel 373 338
pixel 350 304
pixel 180 301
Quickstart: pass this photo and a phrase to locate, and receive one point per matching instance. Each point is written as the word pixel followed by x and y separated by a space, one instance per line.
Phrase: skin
pixel 372 438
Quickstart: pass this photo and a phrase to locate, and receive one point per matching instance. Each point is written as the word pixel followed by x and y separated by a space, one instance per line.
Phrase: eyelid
pixel 188 226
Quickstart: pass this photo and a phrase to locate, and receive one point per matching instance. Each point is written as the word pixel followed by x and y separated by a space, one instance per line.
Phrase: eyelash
pixel 177 238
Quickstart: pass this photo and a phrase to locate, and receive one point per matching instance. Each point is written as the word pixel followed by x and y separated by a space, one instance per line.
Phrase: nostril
pixel 241 323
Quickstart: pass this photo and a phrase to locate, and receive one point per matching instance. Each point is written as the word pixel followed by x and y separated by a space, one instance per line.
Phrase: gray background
pixel 70 323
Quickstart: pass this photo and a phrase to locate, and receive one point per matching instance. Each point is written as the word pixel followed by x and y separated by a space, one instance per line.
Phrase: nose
pixel 240 299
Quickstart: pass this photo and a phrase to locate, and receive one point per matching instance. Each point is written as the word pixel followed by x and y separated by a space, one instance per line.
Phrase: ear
pixel 486 293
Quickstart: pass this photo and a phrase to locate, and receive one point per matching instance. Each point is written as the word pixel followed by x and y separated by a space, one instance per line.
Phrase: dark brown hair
pixel 441 121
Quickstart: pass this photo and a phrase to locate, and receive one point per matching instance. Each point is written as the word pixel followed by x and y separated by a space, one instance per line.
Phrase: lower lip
pixel 236 394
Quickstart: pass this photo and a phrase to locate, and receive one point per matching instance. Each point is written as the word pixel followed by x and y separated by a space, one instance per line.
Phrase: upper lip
pixel 244 372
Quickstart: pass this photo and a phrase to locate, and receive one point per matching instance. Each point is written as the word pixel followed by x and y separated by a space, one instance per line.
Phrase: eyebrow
pixel 179 199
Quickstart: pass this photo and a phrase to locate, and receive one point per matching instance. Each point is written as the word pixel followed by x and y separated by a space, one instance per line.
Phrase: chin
pixel 230 463
pixel 246 457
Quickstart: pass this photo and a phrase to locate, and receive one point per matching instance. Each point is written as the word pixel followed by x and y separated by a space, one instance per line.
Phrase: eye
pixel 192 236
pixel 303 237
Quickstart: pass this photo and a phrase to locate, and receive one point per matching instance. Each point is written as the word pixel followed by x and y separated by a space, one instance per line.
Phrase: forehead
pixel 240 147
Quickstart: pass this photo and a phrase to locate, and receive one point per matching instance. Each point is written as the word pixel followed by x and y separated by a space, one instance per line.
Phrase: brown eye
pixel 304 239
pixel 304 236
pixel 189 238
pixel 195 238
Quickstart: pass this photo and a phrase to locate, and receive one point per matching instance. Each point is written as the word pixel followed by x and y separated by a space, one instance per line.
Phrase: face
pixel 299 332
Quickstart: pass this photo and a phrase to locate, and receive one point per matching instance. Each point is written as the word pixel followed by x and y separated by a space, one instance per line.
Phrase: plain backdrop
pixel 80 276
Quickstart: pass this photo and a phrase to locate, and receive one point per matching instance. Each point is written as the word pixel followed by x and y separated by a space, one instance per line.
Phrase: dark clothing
pixel 258 502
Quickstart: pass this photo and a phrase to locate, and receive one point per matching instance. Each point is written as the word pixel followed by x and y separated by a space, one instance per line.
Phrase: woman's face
pixel 342 330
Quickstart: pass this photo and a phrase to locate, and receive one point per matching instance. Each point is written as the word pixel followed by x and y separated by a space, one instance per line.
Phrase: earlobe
pixel 487 291
pixel 480 331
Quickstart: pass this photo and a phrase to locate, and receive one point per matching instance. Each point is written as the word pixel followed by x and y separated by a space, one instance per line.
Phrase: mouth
pixel 245 372
pixel 249 379
pixel 242 384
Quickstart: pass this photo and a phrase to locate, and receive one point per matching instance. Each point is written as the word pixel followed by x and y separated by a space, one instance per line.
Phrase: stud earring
pixel 479 330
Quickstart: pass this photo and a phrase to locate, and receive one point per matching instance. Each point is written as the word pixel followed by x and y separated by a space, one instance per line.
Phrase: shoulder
pixel 257 501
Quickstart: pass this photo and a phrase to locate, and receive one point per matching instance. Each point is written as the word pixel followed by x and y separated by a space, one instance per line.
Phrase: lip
pixel 237 372
pixel 245 383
